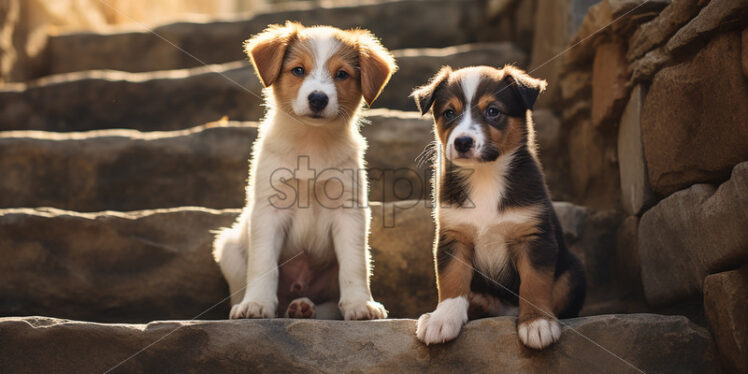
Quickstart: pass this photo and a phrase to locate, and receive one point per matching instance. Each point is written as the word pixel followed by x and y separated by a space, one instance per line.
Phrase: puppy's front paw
pixel 252 309
pixel 539 333
pixel 362 310
pixel 445 323
pixel 432 330
pixel 301 308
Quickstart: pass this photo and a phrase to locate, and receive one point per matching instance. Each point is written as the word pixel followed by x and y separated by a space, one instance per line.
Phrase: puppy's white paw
pixel 539 333
pixel 301 308
pixel 252 309
pixel 362 310
pixel 445 323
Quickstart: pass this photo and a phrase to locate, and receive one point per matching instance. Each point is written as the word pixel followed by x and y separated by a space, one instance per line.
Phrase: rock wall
pixel 654 107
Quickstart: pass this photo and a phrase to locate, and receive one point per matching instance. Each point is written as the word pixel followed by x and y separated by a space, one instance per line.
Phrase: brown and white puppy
pixel 498 236
pixel 307 207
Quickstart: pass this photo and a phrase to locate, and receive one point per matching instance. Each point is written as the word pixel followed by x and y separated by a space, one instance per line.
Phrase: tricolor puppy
pixel 497 234
pixel 301 243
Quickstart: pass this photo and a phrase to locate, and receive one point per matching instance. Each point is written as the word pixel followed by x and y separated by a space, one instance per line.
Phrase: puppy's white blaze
pixel 445 323
pixel 467 127
pixel 539 333
pixel 324 45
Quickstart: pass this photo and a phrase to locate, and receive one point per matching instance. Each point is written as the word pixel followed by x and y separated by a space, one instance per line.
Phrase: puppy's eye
pixel 298 71
pixel 449 114
pixel 341 75
pixel 492 112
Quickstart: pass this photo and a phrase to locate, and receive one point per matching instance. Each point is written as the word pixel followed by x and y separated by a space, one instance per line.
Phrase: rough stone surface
pixel 555 23
pixel 157 264
pixel 549 138
pixel 112 267
pixel 129 170
pixel 609 77
pixel 662 27
pixel 717 14
pixel 725 305
pixel 404 279
pixel 693 233
pixel 627 264
pixel 603 20
pixel 148 265
pixel 693 120
pixel 744 49
pixel 593 168
pixel 178 99
pixel 635 191
pixel 647 342
pixel 166 100
pixel 417 66
pixel 409 25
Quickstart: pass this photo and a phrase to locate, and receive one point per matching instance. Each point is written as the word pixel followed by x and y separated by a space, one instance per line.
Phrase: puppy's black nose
pixel 317 101
pixel 463 144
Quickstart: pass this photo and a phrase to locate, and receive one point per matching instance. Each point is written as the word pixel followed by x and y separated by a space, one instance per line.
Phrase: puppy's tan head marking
pixel 267 49
pixel 320 72
pixel 479 112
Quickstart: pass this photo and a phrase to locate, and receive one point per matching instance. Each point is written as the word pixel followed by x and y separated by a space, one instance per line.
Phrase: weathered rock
pixel 165 100
pixel 409 25
pixel 157 264
pixel 725 304
pixel 744 49
pixel 113 267
pixel 622 343
pixel 643 69
pixel 555 23
pixel 662 27
pixel 609 77
pixel 404 279
pixel 130 170
pixel 398 141
pixel 417 66
pixel 608 17
pixel 148 265
pixel 717 14
pixel 552 153
pixel 693 120
pixel 635 191
pixel 576 85
pixel 627 265
pixel 691 234
pixel 593 168
pixel 178 99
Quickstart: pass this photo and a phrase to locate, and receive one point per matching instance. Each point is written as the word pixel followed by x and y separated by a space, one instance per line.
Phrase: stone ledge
pixel 202 166
pixel 178 99
pixel 157 264
pixel 220 41
pixel 651 343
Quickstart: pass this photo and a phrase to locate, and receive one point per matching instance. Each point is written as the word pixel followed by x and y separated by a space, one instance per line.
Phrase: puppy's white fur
pixel 444 323
pixel 268 233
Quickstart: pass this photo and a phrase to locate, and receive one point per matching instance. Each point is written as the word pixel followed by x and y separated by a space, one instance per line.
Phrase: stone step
pixel 400 24
pixel 178 99
pixel 203 166
pixel 610 343
pixel 150 265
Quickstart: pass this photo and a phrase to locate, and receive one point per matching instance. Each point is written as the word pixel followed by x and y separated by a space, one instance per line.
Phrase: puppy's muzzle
pixel 463 145
pixel 317 101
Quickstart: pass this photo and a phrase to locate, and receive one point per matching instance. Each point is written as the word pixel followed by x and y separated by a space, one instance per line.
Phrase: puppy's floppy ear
pixel 267 49
pixel 376 63
pixel 525 86
pixel 424 95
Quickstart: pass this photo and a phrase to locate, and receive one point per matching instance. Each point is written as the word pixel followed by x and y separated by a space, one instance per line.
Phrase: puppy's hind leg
pixel 230 252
